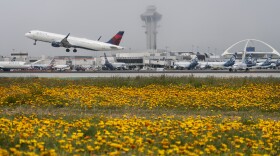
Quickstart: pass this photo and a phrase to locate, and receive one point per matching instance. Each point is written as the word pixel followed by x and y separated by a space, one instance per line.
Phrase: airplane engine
pixel 56 44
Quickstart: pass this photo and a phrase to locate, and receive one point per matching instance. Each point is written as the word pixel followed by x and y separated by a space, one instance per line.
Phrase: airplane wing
pixel 65 42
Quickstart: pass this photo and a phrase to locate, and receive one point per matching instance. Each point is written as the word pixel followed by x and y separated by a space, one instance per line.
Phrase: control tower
pixel 151 17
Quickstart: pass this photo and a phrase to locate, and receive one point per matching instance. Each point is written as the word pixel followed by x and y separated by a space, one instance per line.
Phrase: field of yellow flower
pixel 140 116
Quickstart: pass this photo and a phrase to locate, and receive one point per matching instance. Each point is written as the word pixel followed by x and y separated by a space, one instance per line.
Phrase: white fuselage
pixel 118 65
pixel 14 65
pixel 240 66
pixel 216 64
pixel 61 67
pixel 75 41
pixel 182 64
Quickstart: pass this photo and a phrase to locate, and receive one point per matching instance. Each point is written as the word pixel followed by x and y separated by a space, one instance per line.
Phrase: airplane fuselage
pixel 182 64
pixel 14 65
pixel 216 64
pixel 75 42
pixel 186 65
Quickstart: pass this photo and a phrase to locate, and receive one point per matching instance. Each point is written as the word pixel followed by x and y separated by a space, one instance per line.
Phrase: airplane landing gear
pixel 74 50
pixel 67 50
pixel 35 42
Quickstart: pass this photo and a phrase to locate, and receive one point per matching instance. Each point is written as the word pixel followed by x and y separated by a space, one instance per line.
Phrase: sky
pixel 186 25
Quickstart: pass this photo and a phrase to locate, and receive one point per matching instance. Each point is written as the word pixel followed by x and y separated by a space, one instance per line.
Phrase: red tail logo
pixel 117 38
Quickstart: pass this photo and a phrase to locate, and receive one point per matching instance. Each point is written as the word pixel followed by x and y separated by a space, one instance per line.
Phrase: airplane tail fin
pixel 194 63
pixel 278 62
pixel 106 60
pixel 52 62
pixel 268 60
pixel 233 57
pixel 254 60
pixel 117 38
pixel 13 59
pixel 195 59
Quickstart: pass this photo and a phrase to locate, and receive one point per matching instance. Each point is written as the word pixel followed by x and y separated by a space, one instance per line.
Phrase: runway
pixel 96 74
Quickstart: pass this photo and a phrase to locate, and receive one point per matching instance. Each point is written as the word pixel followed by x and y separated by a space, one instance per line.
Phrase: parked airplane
pixel 61 67
pixel 44 66
pixel 186 65
pixel 263 65
pixel 51 65
pixel 115 65
pixel 250 61
pixel 222 65
pixel 67 41
pixel 276 64
pixel 8 65
pixel 240 65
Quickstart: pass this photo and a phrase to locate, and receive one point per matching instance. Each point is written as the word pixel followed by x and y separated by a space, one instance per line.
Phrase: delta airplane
pixel 115 65
pixel 68 41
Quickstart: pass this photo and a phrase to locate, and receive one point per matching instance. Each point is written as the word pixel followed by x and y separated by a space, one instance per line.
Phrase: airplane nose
pixel 27 35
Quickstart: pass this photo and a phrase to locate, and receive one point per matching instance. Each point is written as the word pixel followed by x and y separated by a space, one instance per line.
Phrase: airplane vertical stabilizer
pixel 106 59
pixel 117 38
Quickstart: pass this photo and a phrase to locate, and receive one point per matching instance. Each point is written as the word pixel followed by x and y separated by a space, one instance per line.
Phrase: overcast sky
pixel 185 24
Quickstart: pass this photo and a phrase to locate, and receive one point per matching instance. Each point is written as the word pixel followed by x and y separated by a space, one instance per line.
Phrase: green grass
pixel 139 81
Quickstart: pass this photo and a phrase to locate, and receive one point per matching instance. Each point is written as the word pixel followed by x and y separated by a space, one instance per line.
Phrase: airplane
pixel 115 65
pixel 250 61
pixel 61 67
pixel 44 66
pixel 240 65
pixel 51 65
pixel 276 64
pixel 220 65
pixel 13 64
pixel 68 42
pixel 264 65
pixel 186 65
